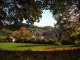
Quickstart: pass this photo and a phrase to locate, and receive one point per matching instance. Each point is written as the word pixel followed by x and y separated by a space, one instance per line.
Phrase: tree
pixel 15 11
pixel 23 31
pixel 68 22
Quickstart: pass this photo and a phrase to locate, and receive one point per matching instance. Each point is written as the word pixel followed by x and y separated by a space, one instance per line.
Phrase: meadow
pixel 32 51
pixel 30 46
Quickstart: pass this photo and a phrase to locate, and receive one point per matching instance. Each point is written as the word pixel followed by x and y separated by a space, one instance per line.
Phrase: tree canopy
pixel 15 11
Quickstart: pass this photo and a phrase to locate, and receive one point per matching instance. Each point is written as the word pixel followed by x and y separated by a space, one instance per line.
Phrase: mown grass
pixel 29 46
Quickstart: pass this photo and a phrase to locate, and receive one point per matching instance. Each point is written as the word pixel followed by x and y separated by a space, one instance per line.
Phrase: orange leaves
pixel 23 30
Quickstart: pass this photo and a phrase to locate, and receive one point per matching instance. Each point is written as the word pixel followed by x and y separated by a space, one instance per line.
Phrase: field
pixel 30 51
pixel 31 46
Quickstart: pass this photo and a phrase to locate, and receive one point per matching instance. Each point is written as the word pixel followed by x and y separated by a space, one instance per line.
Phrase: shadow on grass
pixel 40 55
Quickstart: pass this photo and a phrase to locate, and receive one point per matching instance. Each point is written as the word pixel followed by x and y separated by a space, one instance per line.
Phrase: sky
pixel 46 20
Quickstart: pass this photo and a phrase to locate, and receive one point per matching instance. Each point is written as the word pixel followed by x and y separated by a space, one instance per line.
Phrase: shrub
pixel 28 36
pixel 2 38
pixel 55 40
pixel 33 40
pixel 39 40
pixel 45 40
pixel 65 42
pixel 76 42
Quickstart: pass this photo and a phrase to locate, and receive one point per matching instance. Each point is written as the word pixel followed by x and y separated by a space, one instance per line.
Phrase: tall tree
pixel 18 10
pixel 67 21
pixel 15 11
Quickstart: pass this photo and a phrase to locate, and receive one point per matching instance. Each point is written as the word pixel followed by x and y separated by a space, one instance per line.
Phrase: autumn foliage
pixel 23 32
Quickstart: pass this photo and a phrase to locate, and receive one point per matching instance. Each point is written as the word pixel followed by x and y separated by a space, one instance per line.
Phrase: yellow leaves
pixel 78 29
pixel 77 32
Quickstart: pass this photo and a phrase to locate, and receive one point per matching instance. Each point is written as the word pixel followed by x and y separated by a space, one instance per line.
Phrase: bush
pixel 51 41
pixel 33 40
pixel 39 40
pixel 45 40
pixel 64 42
pixel 28 36
pixel 76 42
pixel 2 38
pixel 55 40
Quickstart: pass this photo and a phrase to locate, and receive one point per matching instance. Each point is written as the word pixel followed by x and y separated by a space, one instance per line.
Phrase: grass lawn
pixel 29 46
